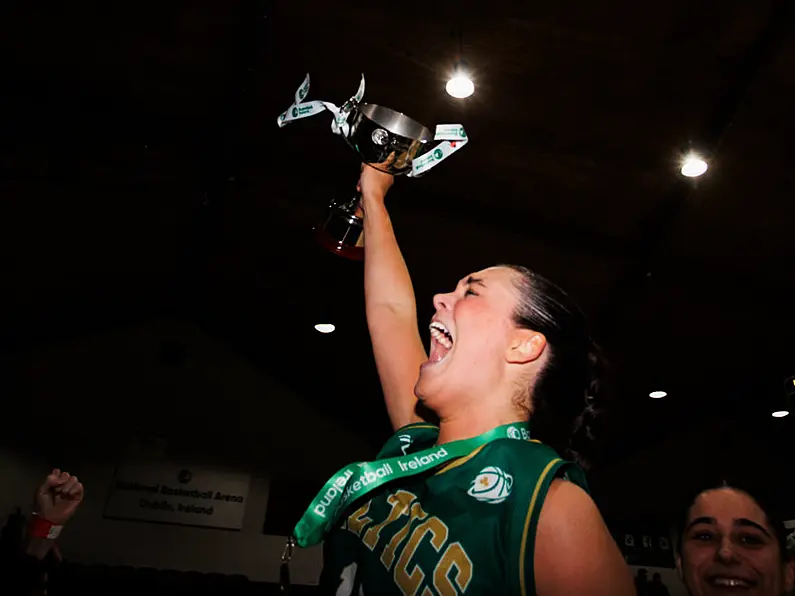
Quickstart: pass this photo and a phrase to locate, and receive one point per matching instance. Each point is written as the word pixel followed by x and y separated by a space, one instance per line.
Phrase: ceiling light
pixel 325 327
pixel 657 394
pixel 693 165
pixel 780 413
pixel 460 84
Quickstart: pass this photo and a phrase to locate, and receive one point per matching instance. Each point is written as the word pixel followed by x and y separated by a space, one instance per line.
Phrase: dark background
pixel 143 176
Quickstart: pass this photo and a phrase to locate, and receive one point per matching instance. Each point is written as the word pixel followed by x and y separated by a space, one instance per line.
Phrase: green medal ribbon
pixel 359 479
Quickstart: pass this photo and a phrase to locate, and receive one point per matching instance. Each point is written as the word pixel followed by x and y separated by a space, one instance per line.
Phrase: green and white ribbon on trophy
pixel 452 137
pixel 299 109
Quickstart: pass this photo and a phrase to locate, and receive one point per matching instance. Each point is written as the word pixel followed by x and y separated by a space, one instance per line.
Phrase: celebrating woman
pixel 728 543
pixel 483 503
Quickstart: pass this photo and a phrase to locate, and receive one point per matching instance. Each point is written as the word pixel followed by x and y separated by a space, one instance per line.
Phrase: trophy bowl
pixel 386 140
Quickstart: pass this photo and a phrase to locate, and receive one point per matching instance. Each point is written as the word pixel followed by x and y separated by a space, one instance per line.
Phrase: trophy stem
pixel 342 231
pixel 354 206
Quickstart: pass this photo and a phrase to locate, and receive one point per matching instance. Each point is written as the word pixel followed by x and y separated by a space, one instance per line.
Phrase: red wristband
pixel 42 528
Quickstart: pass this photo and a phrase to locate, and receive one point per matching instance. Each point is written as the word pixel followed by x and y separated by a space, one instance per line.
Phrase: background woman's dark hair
pixel 566 394
pixel 736 484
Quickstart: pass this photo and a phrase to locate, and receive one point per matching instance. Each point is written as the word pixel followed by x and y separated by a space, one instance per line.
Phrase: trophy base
pixel 342 233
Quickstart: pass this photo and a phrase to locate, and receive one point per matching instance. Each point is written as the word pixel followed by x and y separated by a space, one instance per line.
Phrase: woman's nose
pixel 442 301
pixel 726 551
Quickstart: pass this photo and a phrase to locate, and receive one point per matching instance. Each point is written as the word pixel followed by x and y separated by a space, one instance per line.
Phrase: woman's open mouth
pixel 441 342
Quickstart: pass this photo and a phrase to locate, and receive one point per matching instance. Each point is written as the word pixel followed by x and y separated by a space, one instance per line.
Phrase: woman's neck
pixel 471 423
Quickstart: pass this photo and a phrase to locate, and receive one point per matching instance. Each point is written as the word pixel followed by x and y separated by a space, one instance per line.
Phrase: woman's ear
pixel 525 346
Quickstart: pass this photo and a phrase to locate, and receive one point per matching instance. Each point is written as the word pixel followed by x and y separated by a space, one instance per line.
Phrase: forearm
pixel 38 547
pixel 387 283
pixel 391 315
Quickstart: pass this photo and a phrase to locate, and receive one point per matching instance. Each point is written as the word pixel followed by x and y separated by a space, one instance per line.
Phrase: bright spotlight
pixel 460 86
pixel 693 166
pixel 325 327
pixel 657 394
pixel 780 413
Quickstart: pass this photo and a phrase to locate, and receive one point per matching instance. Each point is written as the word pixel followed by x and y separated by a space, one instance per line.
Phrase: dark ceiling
pixel 143 175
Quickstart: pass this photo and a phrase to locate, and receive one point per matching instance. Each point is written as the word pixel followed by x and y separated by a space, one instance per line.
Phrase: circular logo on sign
pixel 380 136
pixel 462 132
pixel 437 154
pixel 295 112
pixel 184 476
pixel 301 93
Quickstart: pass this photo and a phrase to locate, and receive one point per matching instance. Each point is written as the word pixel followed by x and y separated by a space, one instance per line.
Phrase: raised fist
pixel 57 498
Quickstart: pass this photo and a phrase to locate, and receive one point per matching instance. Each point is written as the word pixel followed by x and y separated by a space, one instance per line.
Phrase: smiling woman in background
pixel 728 543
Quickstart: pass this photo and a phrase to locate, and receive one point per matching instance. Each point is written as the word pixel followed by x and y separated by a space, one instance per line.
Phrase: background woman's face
pixel 729 547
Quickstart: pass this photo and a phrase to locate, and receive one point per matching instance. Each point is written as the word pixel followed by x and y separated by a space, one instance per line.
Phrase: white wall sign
pixel 178 495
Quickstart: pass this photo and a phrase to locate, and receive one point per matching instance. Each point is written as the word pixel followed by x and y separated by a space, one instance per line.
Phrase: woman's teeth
pixel 730 582
pixel 441 338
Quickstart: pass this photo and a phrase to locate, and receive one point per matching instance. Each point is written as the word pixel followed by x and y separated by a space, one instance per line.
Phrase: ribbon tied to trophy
pixel 384 139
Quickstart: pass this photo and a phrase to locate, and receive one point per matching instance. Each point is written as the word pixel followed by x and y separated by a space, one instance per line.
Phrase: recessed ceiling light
pixel 693 166
pixel 460 86
pixel 657 394
pixel 325 327
pixel 780 413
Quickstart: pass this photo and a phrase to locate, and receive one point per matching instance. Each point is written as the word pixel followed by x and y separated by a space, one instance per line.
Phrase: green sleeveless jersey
pixel 467 527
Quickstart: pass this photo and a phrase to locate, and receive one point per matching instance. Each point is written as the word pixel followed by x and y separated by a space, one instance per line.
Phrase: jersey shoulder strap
pixel 540 465
pixel 409 439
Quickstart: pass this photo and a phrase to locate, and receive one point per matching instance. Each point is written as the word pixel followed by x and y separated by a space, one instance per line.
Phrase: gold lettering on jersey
pixel 401 502
pixel 388 556
pixel 454 556
pixel 357 520
pixel 453 571
pixel 410 581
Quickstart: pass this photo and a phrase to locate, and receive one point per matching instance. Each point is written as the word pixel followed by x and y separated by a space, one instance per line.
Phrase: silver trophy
pixel 384 139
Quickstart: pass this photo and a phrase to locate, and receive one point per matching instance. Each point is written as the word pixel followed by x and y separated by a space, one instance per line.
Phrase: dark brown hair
pixel 565 397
